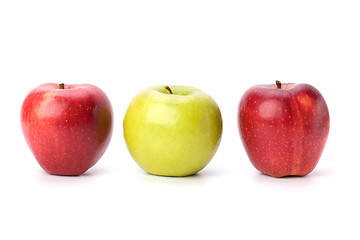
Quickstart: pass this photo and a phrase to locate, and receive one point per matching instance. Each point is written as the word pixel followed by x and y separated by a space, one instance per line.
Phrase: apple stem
pixel 169 89
pixel 278 84
pixel 62 86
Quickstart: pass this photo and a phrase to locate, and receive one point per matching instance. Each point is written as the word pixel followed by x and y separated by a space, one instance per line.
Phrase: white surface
pixel 221 47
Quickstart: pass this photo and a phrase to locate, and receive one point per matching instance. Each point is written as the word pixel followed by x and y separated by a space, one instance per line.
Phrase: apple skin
pixel 283 131
pixel 67 130
pixel 172 134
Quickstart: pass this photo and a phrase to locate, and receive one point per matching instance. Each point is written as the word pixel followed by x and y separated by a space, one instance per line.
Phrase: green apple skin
pixel 172 134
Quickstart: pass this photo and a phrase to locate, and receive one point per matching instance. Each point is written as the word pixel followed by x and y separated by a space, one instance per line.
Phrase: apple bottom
pixel 279 157
pixel 278 149
pixel 170 160
pixel 66 152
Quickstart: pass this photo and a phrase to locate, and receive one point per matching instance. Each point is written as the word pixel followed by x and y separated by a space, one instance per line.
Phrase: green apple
pixel 172 131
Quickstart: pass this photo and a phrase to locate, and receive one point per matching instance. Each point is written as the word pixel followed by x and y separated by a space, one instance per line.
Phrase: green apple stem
pixel 169 89
pixel 62 86
pixel 278 84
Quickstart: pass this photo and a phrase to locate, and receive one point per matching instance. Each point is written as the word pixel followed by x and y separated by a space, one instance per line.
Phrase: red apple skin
pixel 67 130
pixel 283 131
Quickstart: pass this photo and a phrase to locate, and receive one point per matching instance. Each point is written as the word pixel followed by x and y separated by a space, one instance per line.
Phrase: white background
pixel 222 47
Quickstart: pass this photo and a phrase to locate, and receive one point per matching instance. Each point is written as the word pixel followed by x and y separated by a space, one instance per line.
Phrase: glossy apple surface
pixel 283 127
pixel 69 129
pixel 172 133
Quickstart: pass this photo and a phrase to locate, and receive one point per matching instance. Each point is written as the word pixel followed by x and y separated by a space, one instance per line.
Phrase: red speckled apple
pixel 283 127
pixel 67 127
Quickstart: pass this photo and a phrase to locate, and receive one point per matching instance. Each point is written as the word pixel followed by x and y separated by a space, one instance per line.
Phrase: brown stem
pixel 278 84
pixel 169 89
pixel 62 86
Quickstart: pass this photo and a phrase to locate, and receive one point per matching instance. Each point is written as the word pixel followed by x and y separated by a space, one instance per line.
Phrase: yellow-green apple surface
pixel 172 131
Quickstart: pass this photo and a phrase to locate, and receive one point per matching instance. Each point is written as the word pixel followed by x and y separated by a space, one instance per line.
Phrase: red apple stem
pixel 62 86
pixel 169 89
pixel 278 84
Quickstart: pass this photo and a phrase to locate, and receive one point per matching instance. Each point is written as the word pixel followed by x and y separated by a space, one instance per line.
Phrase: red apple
pixel 67 127
pixel 283 127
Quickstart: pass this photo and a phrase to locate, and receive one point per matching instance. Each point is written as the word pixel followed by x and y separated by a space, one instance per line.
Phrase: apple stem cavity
pixel 278 84
pixel 169 89
pixel 62 86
